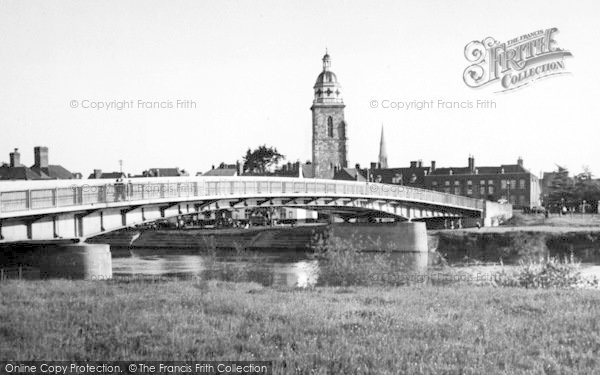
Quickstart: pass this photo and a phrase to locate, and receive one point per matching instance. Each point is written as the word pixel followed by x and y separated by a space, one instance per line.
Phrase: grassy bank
pixel 341 330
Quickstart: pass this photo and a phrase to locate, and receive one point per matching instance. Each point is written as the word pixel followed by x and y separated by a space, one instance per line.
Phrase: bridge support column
pixel 76 261
pixel 405 237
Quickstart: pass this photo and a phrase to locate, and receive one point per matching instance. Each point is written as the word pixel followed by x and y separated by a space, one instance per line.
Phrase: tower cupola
pixel 327 88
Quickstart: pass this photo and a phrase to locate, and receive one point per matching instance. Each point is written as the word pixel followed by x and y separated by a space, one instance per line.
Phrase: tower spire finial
pixel 326 60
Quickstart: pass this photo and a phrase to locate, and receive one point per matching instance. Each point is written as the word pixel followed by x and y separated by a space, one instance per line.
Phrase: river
pixel 284 268
pixel 270 268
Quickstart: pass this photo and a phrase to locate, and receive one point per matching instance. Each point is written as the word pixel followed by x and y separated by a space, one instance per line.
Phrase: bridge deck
pixel 24 198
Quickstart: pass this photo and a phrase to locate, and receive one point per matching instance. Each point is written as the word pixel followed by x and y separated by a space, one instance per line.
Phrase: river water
pixel 272 268
pixel 284 268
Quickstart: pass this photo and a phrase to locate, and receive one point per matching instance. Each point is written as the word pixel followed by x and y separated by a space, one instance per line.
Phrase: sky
pixel 247 70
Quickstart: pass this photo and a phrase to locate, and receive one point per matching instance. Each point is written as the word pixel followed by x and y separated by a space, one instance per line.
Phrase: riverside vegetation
pixel 345 265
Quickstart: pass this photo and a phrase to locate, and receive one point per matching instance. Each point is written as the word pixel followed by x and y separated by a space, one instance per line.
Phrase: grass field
pixel 455 329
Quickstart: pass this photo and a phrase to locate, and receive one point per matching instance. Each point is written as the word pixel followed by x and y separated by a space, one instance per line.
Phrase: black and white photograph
pixel 299 187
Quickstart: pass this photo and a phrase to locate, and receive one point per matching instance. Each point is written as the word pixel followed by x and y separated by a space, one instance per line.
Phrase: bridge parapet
pixel 21 197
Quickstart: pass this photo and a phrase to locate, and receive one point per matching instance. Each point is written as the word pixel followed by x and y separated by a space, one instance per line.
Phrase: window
pixel 503 184
pixel 482 190
pixel 482 182
pixel 447 183
pixel 457 190
pixel 447 190
pixel 490 182
pixel 330 127
pixel 457 183
pixel 491 189
pixel 469 182
pixel 469 190
pixel 522 184
pixel 433 183
pixel 513 184
pixel 342 130
pixel 522 200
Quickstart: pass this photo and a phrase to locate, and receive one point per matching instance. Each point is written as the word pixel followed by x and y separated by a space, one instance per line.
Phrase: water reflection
pixel 278 268
pixel 285 268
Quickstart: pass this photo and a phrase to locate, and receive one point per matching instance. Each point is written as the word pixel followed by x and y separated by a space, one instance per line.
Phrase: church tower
pixel 329 127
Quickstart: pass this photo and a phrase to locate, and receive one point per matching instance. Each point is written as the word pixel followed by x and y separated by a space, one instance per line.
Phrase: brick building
pixel 511 182
pixel 413 175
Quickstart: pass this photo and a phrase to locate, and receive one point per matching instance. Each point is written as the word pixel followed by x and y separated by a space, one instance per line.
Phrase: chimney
pixel 373 166
pixel 519 161
pixel 357 166
pixel 413 164
pixel 433 165
pixel 40 155
pixel 15 158
pixel 97 173
pixel 471 163
pixel 419 163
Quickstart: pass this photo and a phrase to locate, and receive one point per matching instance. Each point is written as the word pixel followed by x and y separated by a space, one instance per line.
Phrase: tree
pixel 261 159
pixel 572 192
pixel 587 189
pixel 561 189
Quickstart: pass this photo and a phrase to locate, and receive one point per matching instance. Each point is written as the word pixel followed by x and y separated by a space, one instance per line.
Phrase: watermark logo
pixel 131 104
pixel 514 63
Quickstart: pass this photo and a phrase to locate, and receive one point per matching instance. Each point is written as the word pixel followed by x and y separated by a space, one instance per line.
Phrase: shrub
pixel 344 264
pixel 549 272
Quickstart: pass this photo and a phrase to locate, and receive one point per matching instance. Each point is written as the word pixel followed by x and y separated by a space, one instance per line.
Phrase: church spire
pixel 382 151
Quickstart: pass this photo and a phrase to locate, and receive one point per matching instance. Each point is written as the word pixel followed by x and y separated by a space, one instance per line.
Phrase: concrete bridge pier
pixel 64 259
pixel 76 261
pixel 406 237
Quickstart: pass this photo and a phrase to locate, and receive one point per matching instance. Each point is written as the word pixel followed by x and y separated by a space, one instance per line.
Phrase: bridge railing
pixel 36 195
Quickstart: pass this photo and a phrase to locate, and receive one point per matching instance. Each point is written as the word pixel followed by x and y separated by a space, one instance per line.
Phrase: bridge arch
pixel 58 209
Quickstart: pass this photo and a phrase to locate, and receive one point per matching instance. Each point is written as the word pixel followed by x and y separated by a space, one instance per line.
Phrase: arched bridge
pixel 77 209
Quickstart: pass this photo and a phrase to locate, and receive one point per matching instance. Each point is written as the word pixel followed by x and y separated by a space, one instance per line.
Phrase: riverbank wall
pixel 517 244
pixel 404 237
pixel 280 238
